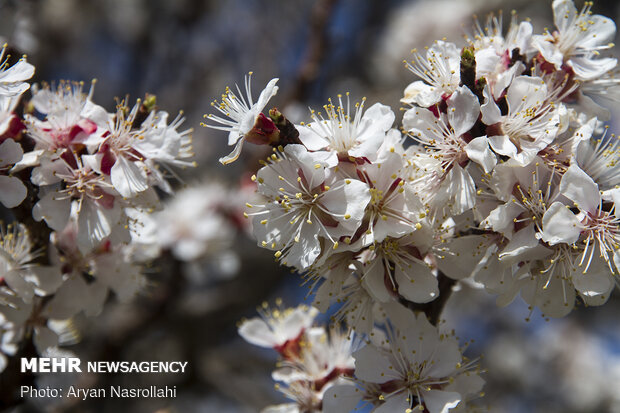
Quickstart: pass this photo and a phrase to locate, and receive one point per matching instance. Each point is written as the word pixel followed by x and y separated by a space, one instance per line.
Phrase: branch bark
pixel 434 308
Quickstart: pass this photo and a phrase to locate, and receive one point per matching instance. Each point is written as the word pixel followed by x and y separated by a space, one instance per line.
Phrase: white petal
pixel 560 225
pixel 11 152
pixel 310 138
pixel 128 177
pixel 597 281
pixel 564 13
pixel 522 241
pixel 341 398
pixel 55 212
pixel 461 256
pixel 503 145
pixel 46 279
pixel 501 219
pixel 577 186
pixel 270 91
pixel 554 299
pixel 416 282
pixel 94 224
pixel 257 332
pixel 438 401
pixel 525 92
pixel 394 403
pixel 372 365
pixel 463 110
pixel 381 116
pixel 478 151
pixel 12 191
pixel 231 157
pixel 490 111
pixel 374 282
pixel 587 68
pixel 44 338
pixel 601 31
pixel 447 356
pixel 421 94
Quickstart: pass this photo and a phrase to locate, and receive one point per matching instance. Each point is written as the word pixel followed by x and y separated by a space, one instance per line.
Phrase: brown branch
pixel 434 308
pixel 318 44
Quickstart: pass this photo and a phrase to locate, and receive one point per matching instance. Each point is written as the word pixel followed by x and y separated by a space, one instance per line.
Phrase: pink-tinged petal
pixel 341 398
pixel 54 212
pixel 234 155
pixel 416 282
pixel 463 110
pixel 478 151
pixel 577 186
pixel 95 113
pixel 128 177
pixel 560 225
pixel 12 191
pixel 373 365
pixel 490 111
pixel 257 332
pixel 11 152
pixel 587 68
pixel 438 401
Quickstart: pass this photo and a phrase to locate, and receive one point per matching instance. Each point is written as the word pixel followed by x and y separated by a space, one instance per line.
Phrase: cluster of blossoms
pixel 502 172
pixel 404 365
pixel 313 360
pixel 79 181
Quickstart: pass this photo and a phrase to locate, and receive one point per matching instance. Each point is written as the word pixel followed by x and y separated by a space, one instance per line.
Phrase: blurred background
pixel 186 52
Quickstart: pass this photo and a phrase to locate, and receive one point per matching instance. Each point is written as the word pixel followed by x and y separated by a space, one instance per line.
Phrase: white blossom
pixel 242 112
